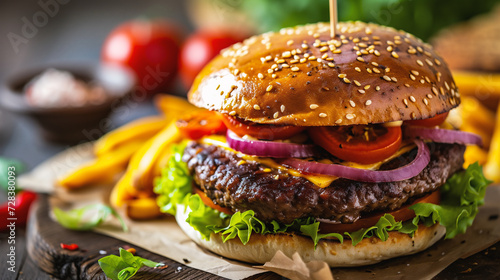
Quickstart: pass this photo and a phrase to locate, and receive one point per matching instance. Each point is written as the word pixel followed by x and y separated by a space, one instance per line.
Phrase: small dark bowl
pixel 70 124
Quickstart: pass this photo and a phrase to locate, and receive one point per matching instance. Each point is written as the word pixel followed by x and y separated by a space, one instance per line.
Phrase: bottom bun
pixel 262 248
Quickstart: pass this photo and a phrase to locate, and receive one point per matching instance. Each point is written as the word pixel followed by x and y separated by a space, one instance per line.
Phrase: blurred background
pixel 45 32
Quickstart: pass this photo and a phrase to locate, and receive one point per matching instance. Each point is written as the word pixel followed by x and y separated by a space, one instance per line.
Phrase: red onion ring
pixel 399 174
pixel 269 148
pixel 440 135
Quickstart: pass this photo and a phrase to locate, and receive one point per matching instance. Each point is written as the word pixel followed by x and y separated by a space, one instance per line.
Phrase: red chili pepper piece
pixel 70 247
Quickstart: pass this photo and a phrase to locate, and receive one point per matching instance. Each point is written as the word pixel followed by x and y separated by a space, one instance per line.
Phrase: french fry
pixel 142 208
pixel 475 154
pixel 143 169
pixel 171 105
pixel 492 166
pixel 475 114
pixel 138 130
pixel 471 83
pixel 121 192
pixel 102 169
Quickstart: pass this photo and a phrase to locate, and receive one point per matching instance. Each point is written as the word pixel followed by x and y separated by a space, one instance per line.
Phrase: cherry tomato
pixel 201 124
pixel 199 49
pixel 208 202
pixel 260 131
pixel 430 122
pixel 401 214
pixel 358 143
pixel 150 48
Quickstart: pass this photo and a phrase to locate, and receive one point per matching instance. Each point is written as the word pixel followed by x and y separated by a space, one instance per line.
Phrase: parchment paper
pixel 165 238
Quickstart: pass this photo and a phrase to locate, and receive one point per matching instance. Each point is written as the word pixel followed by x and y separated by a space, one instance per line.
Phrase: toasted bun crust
pixel 262 248
pixel 300 76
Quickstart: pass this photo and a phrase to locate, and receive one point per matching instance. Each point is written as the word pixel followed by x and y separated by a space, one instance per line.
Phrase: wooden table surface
pixel 46 260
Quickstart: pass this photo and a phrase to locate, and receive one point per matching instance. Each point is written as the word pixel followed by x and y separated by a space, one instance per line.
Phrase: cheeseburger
pixel 335 148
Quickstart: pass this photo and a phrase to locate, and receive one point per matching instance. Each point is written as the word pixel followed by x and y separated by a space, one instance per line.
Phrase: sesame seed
pixel 420 49
pixel 387 70
pixel 232 113
pixel 313 106
pixel 325 88
pixel 302 60
pixel 295 69
pixel 282 108
pixel 437 62
pixel 405 102
pixel 323 49
pixel 367 87
pixel 376 70
pixel 273 76
pixel 342 76
pixel 293 61
pixel 374 63
pixel 305 46
pixel 377 88
pixel 412 99
pixel 256 107
pixel 349 116
pixel 279 61
pixel 368 102
pixel 413 115
pixel 415 72
pixel 337 51
pixel 236 72
pixel 441 90
pixel 395 55
pixel 358 53
pixel 376 52
pixel 429 62
pixel 331 65
pixel 387 78
pixel 289 42
pixel 347 81
pixel 427 53
pixel 269 71
pixel 412 51
pixel 260 76
pixel 389 48
pixel 275 115
pixel 394 79
pixel 352 103
pixel 322 115
pixel 284 65
pixel 362 91
pixel 268 58
pixel 446 85
pixel 339 121
pixel 217 88
pixel 419 62
pixel 269 88
pixel 422 81
pixel 360 59
pixel 312 57
pixel 412 77
pixel 357 83
pixel 427 79
pixel 407 85
pixel 429 96
pixel 357 69
pixel 369 70
pixel 426 102
pixel 324 56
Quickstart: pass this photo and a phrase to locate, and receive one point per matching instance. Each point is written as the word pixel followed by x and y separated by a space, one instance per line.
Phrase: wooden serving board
pixel 44 237
pixel 43 244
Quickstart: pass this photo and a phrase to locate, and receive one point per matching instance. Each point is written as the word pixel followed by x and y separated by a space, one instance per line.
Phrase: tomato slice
pixel 208 202
pixel 401 214
pixel 260 131
pixel 201 124
pixel 430 122
pixel 363 144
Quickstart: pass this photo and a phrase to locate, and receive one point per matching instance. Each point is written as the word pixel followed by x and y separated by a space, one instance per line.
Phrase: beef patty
pixel 276 195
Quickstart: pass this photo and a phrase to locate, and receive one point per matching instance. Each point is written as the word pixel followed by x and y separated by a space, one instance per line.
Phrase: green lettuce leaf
pixel 175 182
pixel 86 217
pixel 125 266
pixel 461 196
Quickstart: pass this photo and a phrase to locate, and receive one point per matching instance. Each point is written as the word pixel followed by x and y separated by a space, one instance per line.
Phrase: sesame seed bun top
pixel 301 76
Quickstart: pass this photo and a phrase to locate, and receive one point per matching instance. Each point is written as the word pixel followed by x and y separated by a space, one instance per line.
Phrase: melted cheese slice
pixel 319 180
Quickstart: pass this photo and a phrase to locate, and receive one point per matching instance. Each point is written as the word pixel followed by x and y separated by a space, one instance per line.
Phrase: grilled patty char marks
pixel 276 195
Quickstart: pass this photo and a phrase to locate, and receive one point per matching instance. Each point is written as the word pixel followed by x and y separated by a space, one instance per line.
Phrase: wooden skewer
pixel 333 17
